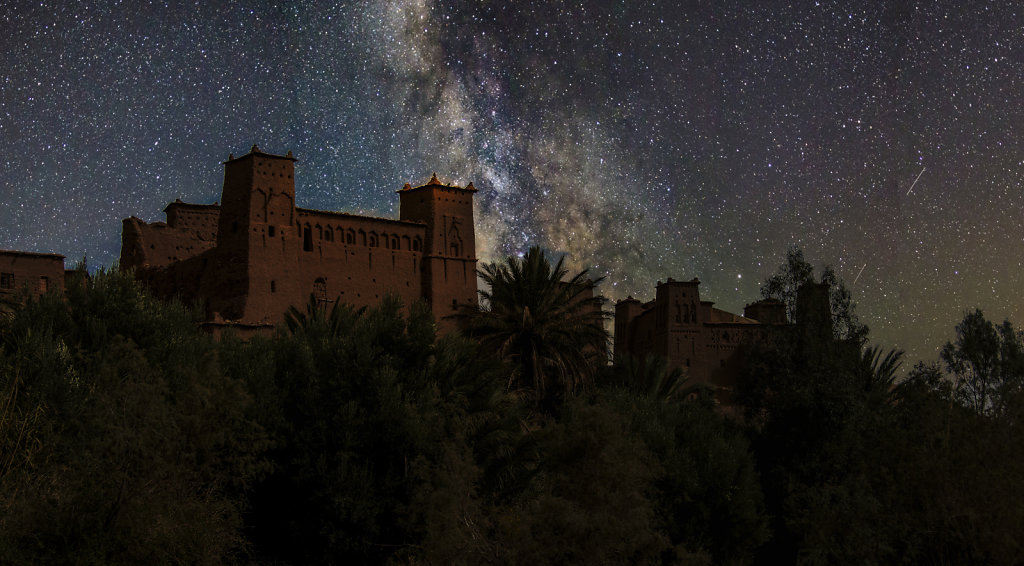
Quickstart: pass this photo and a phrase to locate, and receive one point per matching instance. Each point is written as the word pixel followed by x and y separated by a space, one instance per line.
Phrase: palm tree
pixel 317 320
pixel 550 327
pixel 652 377
pixel 878 372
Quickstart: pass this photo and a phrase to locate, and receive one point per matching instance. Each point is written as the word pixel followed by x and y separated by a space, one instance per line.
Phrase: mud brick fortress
pixel 249 258
pixel 691 334
pixel 255 254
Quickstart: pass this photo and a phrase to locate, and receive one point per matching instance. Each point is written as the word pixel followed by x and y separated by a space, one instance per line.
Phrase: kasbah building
pixel 256 253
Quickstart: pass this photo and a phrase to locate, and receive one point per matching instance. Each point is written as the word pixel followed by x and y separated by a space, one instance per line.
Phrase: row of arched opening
pixel 354 237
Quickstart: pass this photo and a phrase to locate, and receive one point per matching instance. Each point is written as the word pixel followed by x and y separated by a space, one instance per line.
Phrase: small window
pixel 320 290
pixel 350 237
pixel 416 245
pixel 307 239
pixel 394 243
pixel 271 231
pixel 455 304
pixel 44 284
pixel 373 240
pixel 6 280
pixel 273 286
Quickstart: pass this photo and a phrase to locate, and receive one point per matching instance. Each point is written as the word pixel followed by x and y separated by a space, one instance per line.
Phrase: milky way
pixel 644 139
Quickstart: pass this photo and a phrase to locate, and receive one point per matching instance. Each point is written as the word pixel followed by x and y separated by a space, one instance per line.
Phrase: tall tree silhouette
pixel 548 325
pixel 785 285
pixel 987 363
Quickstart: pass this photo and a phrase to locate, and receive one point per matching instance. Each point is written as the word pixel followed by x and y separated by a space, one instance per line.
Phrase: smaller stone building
pixel 690 333
pixel 31 273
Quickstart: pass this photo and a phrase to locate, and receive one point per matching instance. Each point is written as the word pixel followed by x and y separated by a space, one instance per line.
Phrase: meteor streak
pixel 865 265
pixel 915 180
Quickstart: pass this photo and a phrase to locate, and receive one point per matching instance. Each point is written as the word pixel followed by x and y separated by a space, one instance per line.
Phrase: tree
pixel 316 320
pixel 382 437
pixel 956 476
pixel 987 363
pixel 878 372
pixel 128 444
pixel 590 499
pixel 651 376
pixel 547 325
pixel 706 488
pixel 785 285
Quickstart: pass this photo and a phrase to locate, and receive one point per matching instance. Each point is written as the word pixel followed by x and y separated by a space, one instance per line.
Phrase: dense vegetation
pixel 127 436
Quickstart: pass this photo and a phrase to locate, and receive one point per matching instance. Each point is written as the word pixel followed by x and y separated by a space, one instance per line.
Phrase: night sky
pixel 646 139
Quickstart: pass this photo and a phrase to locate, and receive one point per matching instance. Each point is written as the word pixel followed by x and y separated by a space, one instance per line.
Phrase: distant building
pixel 255 254
pixel 29 273
pixel 690 333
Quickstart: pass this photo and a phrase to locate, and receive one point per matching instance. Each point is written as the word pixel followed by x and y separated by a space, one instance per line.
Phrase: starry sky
pixel 645 139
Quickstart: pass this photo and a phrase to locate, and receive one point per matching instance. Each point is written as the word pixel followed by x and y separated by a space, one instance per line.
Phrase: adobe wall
pixel 254 272
pixel 449 247
pixel 626 311
pixel 690 333
pixel 200 220
pixel 181 280
pixel 721 340
pixel 189 231
pixel 359 259
pixel 32 272
pixel 447 212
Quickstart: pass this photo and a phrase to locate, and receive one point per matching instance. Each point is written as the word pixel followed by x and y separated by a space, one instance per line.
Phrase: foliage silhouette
pixel 127 443
pixel 651 376
pixel 987 363
pixel 796 272
pixel 548 325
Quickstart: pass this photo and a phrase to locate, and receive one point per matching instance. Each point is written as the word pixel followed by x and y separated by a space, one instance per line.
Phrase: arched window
pixel 362 238
pixel 350 236
pixel 329 234
pixel 373 239
pixel 417 244
pixel 384 241
pixel 406 243
pixel 394 243
pixel 455 242
pixel 319 232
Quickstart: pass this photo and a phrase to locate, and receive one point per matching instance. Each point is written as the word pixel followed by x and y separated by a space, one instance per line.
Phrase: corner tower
pixel 257 236
pixel 449 254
